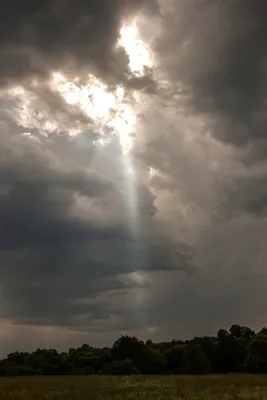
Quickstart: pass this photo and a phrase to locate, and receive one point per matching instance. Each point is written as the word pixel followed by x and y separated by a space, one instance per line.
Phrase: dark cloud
pixel 219 56
pixel 64 236
pixel 38 37
pixel 37 192
pixel 171 251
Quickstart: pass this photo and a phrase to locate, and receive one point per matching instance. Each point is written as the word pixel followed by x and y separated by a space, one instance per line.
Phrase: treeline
pixel 238 350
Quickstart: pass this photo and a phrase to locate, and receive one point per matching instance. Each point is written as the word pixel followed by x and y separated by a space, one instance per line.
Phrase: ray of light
pixel 107 112
pixel 110 112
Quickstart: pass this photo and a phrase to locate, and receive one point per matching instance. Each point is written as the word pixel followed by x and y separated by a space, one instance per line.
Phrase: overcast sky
pixel 166 241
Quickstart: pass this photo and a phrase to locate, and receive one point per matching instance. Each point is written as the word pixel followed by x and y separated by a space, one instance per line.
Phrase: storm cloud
pixel 171 244
pixel 36 37
pixel 220 63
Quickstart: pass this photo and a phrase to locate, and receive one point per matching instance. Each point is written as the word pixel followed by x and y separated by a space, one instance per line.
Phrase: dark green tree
pixel 126 347
pixel 150 361
pixel 175 357
pixel 256 360
pixel 195 361
pixel 124 367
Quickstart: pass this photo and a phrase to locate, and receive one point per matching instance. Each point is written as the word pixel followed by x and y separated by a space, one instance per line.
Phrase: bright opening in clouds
pixel 109 111
pixel 139 54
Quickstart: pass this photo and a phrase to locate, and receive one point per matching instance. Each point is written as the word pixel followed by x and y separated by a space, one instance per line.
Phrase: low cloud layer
pixel 167 241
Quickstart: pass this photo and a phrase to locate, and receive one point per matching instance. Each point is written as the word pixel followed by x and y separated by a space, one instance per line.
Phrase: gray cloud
pixel 64 231
pixel 63 34
pixel 37 192
pixel 174 255
pixel 219 57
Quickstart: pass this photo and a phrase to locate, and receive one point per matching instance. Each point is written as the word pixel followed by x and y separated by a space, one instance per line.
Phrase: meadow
pixel 211 387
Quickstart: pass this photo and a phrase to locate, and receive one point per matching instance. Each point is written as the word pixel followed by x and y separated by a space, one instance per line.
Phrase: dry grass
pixel 231 387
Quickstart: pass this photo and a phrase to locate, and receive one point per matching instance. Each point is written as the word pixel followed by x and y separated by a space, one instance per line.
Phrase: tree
pixel 208 345
pixel 235 331
pixel 238 350
pixel 241 332
pixel 175 356
pixel 124 367
pixel 64 364
pixel 222 334
pixel 126 347
pixel 247 333
pixel 230 355
pixel 195 361
pixel 263 330
pixel 257 354
pixel 150 361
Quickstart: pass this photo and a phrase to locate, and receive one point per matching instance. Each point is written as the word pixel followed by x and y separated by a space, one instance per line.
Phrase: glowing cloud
pixel 138 52
pixel 107 112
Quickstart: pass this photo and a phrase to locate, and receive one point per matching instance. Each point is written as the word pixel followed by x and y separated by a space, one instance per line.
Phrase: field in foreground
pixel 231 387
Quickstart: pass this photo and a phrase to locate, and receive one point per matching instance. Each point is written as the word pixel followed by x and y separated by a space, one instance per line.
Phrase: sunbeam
pixel 106 111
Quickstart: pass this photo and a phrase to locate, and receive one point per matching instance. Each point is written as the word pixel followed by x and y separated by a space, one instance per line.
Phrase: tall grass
pixel 228 387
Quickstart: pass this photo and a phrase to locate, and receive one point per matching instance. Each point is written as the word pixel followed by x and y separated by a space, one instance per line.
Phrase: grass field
pixel 231 387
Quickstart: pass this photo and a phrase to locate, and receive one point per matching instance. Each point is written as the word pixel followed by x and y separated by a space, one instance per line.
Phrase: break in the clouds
pixel 132 169
pixel 36 37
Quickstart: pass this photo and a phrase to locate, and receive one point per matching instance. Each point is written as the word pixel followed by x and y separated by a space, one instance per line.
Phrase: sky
pixel 133 170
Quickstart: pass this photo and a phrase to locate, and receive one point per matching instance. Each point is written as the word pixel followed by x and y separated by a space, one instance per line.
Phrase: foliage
pixel 237 350
pixel 126 347
pixel 125 367
pixel 256 360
